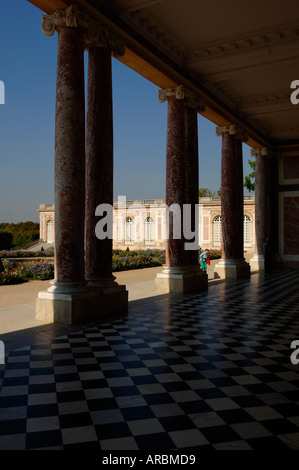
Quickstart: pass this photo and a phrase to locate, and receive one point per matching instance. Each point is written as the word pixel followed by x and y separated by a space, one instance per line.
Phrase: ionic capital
pixel 70 17
pixel 98 36
pixel 263 151
pixel 232 129
pixel 178 92
pixel 182 93
pixel 194 101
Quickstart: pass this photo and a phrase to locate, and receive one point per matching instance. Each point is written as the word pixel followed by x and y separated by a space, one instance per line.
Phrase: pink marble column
pixel 231 197
pixel 260 199
pixel 99 157
pixel 181 272
pixel 99 163
pixel 191 177
pixel 232 258
pixel 175 181
pixel 69 161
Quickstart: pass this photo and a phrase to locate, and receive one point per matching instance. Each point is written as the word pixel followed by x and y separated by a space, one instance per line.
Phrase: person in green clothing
pixel 203 259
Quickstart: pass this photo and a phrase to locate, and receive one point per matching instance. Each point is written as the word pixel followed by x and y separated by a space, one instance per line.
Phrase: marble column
pixel 67 299
pixel 193 105
pixel 257 261
pixel 191 179
pixel 175 184
pixel 176 277
pixel 99 170
pixel 232 263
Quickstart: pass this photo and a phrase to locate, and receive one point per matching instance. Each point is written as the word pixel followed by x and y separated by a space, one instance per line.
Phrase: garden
pixel 16 268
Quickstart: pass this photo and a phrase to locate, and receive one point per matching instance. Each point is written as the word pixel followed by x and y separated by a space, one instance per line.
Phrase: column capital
pixel 98 36
pixel 177 91
pixel 194 101
pixel 232 129
pixel 70 17
pixel 94 34
pixel 262 151
pixel 182 93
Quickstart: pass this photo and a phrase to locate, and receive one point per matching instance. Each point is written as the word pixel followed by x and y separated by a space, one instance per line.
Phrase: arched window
pixel 149 231
pixel 247 230
pixel 129 230
pixel 217 231
pixel 50 237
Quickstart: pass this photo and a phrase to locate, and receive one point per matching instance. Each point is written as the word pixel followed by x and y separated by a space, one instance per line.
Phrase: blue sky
pixel 28 70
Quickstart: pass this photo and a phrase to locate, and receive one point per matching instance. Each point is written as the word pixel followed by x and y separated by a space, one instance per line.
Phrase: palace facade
pixel 141 224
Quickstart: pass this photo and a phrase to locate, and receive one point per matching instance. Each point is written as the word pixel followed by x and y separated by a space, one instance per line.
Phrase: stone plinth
pixel 232 269
pixel 257 263
pixel 180 280
pixel 81 307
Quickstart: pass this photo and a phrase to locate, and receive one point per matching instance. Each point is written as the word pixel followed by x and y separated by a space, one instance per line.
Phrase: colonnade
pixel 84 286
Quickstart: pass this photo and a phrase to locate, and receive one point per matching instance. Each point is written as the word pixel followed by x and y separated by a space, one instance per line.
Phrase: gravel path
pixel 11 296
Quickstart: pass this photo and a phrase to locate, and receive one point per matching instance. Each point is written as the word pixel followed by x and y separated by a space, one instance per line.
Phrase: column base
pixel 82 307
pixel 181 280
pixel 232 269
pixel 257 263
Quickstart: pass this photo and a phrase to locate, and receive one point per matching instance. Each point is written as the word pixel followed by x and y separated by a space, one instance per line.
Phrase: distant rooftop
pixel 152 202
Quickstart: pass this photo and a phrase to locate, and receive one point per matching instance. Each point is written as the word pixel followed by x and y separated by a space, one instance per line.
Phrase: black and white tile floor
pixel 196 372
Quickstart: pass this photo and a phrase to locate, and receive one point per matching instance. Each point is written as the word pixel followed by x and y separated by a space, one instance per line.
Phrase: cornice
pixel 157 32
pixel 240 44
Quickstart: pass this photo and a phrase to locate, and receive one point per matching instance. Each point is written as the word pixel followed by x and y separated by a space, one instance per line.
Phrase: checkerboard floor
pixel 205 371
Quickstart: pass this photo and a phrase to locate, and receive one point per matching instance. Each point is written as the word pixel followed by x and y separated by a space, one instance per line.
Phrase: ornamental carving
pixel 99 36
pixel 178 92
pixel 232 129
pixel 70 17
pixel 94 34
pixel 259 151
pixel 182 93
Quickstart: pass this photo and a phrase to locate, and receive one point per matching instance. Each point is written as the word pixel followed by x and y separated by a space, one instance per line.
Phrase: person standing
pixel 204 259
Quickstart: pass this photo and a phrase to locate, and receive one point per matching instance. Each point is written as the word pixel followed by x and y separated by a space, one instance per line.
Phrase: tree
pixel 250 185
pixel 20 234
pixel 205 192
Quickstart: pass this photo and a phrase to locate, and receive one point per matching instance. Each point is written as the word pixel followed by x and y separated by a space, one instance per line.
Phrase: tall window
pixel 217 231
pixel 129 230
pixel 247 230
pixel 149 231
pixel 50 231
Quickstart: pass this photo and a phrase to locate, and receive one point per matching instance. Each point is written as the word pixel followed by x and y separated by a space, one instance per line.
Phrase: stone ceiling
pixel 240 57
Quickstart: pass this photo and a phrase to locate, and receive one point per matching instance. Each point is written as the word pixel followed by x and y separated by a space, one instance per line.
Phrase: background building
pixel 141 224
